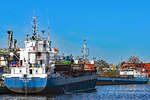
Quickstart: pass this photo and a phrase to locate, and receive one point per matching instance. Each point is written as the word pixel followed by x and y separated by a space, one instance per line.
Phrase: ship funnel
pixel 14 43
pixel 10 38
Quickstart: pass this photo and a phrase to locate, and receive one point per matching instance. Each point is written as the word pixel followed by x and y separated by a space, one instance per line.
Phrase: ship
pixel 37 68
pixel 128 76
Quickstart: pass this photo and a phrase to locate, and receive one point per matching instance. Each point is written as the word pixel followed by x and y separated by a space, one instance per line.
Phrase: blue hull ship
pixel 128 76
pixel 35 68
pixel 51 85
pixel 25 85
pixel 109 81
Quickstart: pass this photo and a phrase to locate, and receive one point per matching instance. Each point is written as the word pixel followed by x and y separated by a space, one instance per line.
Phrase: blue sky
pixel 114 29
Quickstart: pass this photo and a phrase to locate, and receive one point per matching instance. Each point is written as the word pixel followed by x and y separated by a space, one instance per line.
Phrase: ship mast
pixel 35 35
pixel 84 51
pixel 34 27
pixel 48 32
pixel 49 36
pixel 49 42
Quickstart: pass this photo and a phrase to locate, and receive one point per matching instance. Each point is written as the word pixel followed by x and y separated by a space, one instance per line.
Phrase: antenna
pixel 84 51
pixel 50 45
pixel 48 31
pixel 34 26
pixel 50 42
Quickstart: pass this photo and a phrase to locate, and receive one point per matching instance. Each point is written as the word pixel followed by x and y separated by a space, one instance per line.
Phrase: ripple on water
pixel 107 92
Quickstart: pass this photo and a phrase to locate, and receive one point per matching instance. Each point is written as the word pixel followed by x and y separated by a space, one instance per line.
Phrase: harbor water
pixel 107 92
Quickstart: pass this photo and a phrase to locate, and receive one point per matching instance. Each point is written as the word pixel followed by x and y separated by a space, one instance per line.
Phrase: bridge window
pixel 30 71
pixel 20 62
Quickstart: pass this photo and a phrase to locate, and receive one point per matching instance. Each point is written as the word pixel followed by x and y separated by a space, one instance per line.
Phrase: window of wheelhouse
pixel 30 71
pixel 20 62
pixel 38 54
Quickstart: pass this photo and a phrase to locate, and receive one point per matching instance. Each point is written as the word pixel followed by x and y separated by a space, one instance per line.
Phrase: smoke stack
pixel 14 43
pixel 10 38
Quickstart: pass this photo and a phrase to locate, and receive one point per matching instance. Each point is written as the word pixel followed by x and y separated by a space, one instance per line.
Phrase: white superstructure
pixel 134 73
pixel 34 59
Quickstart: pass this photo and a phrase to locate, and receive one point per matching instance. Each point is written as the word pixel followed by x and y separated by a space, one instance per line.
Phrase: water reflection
pixel 108 92
pixel 74 96
pixel 24 98
pixel 59 97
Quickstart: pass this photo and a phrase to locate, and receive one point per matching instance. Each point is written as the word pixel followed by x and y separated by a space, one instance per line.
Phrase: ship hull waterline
pixel 25 85
pixel 118 81
pixel 68 88
pixel 56 89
